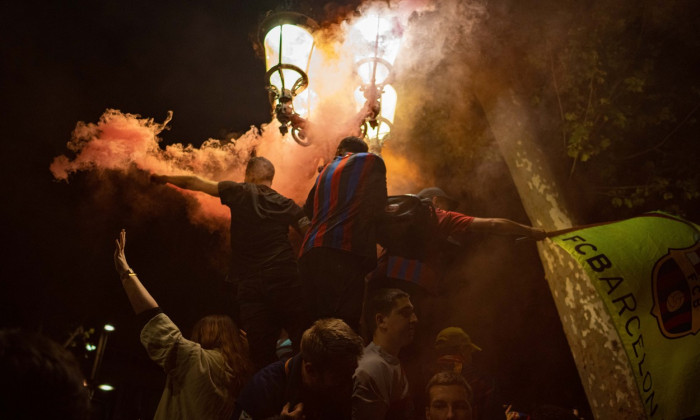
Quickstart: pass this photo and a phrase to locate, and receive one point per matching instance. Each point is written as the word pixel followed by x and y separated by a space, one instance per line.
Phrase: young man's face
pixel 448 402
pixel 400 324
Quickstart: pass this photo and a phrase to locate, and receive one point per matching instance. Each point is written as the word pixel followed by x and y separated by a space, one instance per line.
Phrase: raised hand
pixel 119 258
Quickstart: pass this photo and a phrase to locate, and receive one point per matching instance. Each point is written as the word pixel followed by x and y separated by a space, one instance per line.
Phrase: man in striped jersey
pixel 339 248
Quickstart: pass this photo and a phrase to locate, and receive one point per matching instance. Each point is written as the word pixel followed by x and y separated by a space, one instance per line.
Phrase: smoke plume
pixel 123 142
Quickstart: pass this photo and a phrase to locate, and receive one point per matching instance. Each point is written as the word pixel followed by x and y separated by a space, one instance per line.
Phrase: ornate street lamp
pixel 288 44
pixel 375 41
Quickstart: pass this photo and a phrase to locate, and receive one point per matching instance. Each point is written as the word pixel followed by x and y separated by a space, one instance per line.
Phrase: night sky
pixel 64 62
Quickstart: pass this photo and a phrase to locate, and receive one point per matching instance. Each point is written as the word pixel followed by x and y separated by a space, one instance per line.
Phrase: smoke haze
pixel 121 141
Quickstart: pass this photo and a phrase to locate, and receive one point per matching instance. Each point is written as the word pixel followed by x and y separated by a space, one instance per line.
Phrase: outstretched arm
pixel 506 227
pixel 138 296
pixel 189 182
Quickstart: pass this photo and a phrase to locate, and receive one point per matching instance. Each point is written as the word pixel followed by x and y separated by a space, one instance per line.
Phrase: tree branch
pixel 668 136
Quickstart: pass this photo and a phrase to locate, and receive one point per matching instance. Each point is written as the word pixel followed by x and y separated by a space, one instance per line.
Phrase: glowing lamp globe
pixel 288 44
pixel 375 41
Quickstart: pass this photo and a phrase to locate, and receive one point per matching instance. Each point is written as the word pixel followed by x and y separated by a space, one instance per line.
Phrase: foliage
pixel 625 86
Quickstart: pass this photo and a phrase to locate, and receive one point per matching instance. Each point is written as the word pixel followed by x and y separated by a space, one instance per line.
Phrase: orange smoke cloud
pixel 121 142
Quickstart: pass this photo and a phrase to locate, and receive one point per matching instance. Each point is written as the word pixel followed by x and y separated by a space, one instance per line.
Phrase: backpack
pixel 407 226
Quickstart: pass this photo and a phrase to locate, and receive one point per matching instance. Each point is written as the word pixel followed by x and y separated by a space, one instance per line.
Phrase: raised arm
pixel 188 182
pixel 138 296
pixel 506 227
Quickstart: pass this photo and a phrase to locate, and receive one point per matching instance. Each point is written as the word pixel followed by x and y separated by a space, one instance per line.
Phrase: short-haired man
pixel 317 381
pixel 339 248
pixel 381 386
pixel 449 397
pixel 264 264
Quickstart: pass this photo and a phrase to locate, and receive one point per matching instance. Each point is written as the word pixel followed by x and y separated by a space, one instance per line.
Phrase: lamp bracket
pixel 299 85
pixel 374 123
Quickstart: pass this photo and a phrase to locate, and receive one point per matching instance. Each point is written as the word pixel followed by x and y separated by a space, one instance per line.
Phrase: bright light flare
pixel 106 387
pixel 389 99
pixel 375 37
pixel 367 69
pixel 305 102
pixel 109 327
pixel 90 347
pixel 296 46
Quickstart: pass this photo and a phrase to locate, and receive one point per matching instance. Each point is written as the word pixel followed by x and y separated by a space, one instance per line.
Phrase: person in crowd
pixel 449 397
pixel 454 224
pixel 451 228
pixel 454 350
pixel 39 379
pixel 315 384
pixel 205 373
pixel 264 265
pixel 381 387
pixel 422 273
pixel 339 248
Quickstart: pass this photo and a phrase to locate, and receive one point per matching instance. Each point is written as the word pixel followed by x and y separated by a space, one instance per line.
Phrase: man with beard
pixel 381 386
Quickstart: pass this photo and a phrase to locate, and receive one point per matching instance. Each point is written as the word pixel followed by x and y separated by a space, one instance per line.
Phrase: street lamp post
pixel 288 45
pixel 375 42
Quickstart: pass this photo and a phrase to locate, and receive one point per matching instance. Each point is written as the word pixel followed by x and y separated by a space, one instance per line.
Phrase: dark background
pixel 68 62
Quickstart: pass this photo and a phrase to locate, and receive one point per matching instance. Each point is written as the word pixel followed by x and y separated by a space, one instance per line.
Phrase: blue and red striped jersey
pixel 344 204
pixel 429 271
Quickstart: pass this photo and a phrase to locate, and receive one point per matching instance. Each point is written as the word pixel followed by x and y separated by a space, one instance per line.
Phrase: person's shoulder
pixel 450 215
pixel 230 186
pixel 372 360
pixel 369 160
pixel 158 325
pixel 264 387
pixel 369 156
pixel 270 372
pixel 270 192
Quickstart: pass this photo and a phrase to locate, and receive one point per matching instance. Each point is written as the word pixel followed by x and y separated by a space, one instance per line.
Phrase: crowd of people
pixel 323 302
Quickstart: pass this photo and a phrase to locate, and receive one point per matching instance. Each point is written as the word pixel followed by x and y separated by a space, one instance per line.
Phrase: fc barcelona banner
pixel 646 271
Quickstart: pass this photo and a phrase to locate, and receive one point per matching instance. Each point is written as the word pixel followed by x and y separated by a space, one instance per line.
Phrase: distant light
pixel 109 327
pixel 106 387
pixel 90 347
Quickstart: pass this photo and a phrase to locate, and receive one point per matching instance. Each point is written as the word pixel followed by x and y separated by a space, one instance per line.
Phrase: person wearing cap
pixel 454 349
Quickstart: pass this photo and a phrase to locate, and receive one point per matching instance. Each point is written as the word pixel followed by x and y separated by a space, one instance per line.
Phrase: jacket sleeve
pixel 164 342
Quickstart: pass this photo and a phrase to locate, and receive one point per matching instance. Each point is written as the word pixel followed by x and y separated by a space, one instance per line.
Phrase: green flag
pixel 647 273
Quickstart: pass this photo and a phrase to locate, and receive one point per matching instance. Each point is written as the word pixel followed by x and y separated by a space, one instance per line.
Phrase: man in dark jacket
pixel 317 381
